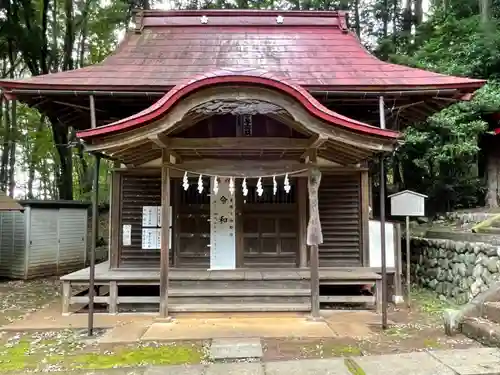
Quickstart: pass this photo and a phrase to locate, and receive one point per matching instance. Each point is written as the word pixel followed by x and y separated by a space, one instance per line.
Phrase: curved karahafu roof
pixel 133 139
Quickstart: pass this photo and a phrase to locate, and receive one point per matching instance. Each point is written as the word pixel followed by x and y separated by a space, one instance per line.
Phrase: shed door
pixel 42 257
pixel 72 243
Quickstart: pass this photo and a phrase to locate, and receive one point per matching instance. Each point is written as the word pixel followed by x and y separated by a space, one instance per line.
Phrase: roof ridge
pixel 236 17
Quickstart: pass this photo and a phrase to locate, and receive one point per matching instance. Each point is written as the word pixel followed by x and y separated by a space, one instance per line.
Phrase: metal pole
pixel 382 244
pixel 408 272
pixel 95 222
pixel 382 222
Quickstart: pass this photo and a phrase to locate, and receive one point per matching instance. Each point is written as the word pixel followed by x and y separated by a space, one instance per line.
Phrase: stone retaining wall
pixel 454 269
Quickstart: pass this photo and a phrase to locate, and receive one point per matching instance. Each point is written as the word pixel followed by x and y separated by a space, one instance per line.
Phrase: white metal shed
pixel 49 238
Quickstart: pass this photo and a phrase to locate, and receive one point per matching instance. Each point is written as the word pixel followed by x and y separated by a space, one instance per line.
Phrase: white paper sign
pixel 150 216
pixel 127 235
pixel 222 228
pixel 150 238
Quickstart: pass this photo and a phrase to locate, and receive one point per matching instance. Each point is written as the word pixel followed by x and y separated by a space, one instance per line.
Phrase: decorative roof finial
pixel 204 20
pixel 279 20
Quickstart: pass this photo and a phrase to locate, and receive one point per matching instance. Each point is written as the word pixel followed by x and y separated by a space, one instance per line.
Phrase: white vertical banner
pixel 222 227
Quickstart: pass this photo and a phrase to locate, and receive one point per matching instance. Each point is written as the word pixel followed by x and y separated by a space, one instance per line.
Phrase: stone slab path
pixel 231 349
pixel 482 361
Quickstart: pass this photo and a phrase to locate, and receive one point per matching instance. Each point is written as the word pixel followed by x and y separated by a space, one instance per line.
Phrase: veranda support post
pixel 165 234
pixel 314 238
pixel 93 241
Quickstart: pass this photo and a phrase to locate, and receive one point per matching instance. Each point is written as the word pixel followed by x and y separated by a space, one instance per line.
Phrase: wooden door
pixel 192 228
pixel 269 227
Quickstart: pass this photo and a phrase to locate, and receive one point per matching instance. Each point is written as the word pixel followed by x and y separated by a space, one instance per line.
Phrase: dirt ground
pixel 418 329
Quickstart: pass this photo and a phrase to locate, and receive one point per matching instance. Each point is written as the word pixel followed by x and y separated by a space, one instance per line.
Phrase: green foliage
pixel 440 157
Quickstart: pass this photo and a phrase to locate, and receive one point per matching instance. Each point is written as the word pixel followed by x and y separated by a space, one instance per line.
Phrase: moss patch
pixel 174 354
pixel 62 350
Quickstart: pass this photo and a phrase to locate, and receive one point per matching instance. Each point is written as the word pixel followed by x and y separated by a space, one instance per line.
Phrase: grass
pixel 174 354
pixel 61 351
pixel 429 303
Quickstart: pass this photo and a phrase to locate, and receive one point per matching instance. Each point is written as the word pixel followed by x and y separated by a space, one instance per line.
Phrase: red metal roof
pixel 312 49
pixel 248 77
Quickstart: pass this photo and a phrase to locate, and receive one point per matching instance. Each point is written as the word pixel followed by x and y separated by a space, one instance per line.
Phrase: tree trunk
pixel 492 171
pixel 6 148
pixel 484 6
pixel 69 36
pixel 32 162
pixel 419 13
pixel 12 149
pixel 407 18
pixel 395 15
pixel 64 177
pixel 83 33
pixel 385 18
pixel 357 18
pixel 54 63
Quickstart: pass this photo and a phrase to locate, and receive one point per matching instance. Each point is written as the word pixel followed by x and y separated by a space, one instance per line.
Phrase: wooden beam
pixel 160 140
pixel 240 168
pixel 239 143
pixel 82 107
pixel 165 233
pixel 316 142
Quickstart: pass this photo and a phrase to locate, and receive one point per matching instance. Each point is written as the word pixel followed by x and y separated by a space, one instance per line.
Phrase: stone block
pixel 308 367
pixel 239 348
pixel 235 369
pixel 176 370
pixel 418 363
pixel 477 361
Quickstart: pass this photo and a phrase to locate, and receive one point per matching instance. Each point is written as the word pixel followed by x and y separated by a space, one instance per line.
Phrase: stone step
pixel 491 311
pixel 239 284
pixel 239 300
pixel 256 307
pixel 490 230
pixel 347 299
pixel 257 292
pixel 482 330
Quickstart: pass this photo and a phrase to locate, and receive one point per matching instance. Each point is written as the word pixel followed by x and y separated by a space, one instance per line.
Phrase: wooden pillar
pixel 365 218
pixel 165 234
pixel 66 297
pixel 302 201
pixel 113 297
pixel 95 222
pixel 115 219
pixel 314 238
